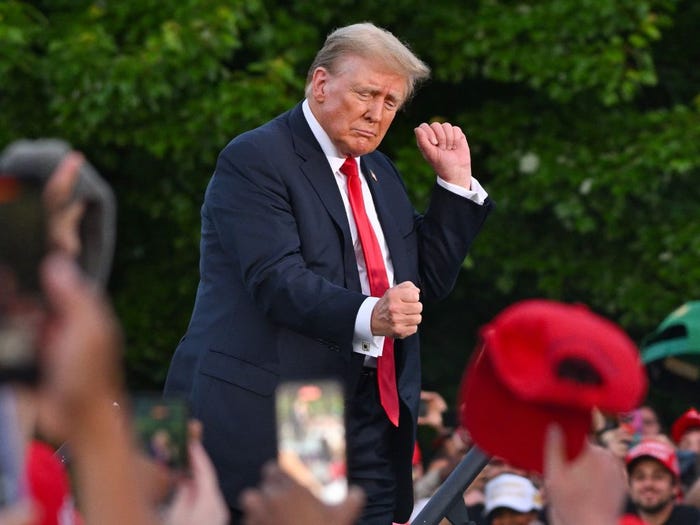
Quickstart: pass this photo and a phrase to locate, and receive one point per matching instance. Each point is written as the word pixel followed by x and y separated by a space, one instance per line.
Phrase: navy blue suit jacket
pixel 279 288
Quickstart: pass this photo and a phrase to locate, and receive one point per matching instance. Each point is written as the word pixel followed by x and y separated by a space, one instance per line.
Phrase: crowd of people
pixel 659 466
pixel 310 271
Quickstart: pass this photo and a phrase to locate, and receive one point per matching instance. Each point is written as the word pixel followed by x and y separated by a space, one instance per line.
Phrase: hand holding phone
pixel 161 428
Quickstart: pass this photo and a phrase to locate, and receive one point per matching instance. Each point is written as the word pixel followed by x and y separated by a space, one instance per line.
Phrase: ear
pixel 319 83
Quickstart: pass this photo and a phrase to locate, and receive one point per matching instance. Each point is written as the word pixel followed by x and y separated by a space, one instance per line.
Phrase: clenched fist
pixel 398 313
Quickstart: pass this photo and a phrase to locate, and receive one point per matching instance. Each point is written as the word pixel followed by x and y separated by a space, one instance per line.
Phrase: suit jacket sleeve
pixel 250 201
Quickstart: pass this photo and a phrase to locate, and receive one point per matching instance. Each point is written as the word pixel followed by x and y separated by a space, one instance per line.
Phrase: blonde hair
pixel 373 43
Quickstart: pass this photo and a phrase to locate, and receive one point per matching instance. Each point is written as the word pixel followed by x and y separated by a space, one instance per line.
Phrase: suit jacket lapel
pixel 392 234
pixel 315 168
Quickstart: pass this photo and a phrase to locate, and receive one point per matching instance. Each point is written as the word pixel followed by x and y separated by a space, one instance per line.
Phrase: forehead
pixel 361 71
pixel 648 466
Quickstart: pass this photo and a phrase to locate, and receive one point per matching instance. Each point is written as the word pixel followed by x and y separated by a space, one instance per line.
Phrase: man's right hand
pixel 398 313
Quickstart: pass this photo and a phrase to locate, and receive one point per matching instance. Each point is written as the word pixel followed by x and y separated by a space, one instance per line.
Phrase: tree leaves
pixel 582 118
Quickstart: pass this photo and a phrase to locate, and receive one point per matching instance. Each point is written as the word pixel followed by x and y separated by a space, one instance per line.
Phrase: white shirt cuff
pixel 476 194
pixel 363 341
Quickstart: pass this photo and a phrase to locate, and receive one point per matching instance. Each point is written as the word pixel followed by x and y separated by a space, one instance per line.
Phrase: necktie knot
pixel 349 167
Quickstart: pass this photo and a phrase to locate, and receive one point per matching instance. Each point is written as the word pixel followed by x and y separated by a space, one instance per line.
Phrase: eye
pixel 364 95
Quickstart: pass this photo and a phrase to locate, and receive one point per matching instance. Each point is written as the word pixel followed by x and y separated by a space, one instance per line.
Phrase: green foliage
pixel 583 119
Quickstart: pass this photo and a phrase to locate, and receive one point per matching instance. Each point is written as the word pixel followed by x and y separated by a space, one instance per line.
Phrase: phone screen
pixel 311 436
pixel 22 247
pixel 161 428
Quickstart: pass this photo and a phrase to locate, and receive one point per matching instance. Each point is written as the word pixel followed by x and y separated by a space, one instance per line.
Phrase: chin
pixel 360 147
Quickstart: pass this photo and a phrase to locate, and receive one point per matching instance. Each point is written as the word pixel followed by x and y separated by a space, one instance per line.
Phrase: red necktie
pixel 378 284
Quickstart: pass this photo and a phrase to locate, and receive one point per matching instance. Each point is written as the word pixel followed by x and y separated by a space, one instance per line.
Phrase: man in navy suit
pixel 284 291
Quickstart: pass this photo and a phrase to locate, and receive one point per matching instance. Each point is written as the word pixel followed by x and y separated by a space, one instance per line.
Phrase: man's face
pixel 504 516
pixel 357 104
pixel 650 423
pixel 652 486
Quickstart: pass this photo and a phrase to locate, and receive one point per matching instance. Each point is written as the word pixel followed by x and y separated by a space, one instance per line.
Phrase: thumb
pixel 409 291
pixel 554 452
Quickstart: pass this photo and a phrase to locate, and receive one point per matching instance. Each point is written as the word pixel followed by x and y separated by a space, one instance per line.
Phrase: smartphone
pixel 311 436
pixel 13 484
pixel 22 247
pixel 161 429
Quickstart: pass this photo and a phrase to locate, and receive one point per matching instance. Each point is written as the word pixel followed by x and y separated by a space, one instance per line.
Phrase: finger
pixel 59 188
pixel 459 137
pixel 408 292
pixel 404 331
pixel 410 300
pixel 194 430
pixel 554 453
pixel 450 135
pixel 425 135
pixel 440 134
pixel 199 462
pixel 409 320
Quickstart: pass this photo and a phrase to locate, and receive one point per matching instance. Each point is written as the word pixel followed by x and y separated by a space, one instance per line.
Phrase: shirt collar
pixel 329 150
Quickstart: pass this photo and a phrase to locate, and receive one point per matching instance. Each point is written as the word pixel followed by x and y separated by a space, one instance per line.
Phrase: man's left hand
pixel 445 148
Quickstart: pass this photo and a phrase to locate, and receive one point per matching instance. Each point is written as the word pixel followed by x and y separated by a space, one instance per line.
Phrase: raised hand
pixel 445 148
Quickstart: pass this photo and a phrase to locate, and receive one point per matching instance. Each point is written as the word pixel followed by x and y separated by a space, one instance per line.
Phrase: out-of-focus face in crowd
pixel 651 486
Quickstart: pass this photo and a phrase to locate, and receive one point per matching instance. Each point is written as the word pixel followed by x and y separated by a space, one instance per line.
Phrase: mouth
pixel 365 134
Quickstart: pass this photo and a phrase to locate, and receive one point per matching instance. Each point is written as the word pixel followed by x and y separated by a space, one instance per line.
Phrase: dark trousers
pixel 370 436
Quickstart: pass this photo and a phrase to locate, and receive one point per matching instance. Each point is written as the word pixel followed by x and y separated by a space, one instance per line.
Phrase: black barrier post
pixel 447 502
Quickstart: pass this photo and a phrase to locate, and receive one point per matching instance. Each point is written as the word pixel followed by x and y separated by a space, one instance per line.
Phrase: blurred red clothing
pixel 49 487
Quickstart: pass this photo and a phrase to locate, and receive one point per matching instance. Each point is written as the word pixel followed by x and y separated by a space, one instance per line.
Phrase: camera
pixel 36 161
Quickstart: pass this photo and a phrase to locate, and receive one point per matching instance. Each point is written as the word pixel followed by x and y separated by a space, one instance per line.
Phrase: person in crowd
pixel 614 437
pixel 431 413
pixel 448 449
pixel 510 499
pixel 475 494
pixel 654 485
pixel 647 422
pixel 590 490
pixel 314 263
pixel 686 431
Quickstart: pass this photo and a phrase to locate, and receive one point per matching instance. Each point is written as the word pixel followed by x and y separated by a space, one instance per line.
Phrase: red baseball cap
pixel 654 449
pixel 542 362
pixel 688 420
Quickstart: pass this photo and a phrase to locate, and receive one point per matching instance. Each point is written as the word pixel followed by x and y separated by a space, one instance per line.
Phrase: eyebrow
pixel 374 91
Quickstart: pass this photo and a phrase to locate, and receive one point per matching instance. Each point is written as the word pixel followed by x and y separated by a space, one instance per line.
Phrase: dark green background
pixel 582 116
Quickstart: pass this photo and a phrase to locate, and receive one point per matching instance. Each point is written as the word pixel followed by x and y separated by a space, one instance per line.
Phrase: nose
pixel 374 110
